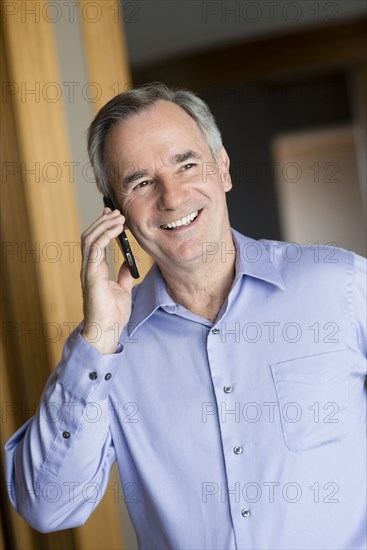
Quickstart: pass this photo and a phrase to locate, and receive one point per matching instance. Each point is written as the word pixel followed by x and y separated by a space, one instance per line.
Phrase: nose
pixel 171 194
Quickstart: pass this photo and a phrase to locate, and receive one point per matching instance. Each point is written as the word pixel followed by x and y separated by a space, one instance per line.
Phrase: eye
pixel 190 165
pixel 142 184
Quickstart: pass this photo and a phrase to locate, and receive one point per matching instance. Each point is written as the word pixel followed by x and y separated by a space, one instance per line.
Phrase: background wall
pixel 162 29
pixel 266 69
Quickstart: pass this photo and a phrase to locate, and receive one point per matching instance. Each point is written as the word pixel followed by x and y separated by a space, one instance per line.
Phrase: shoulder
pixel 296 262
pixel 313 259
pixel 320 272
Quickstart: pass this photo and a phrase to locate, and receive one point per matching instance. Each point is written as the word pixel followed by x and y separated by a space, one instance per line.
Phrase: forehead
pixel 163 123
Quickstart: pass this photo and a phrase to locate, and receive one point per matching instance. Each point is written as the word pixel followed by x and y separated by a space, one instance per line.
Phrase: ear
pixel 117 204
pixel 224 163
pixel 126 225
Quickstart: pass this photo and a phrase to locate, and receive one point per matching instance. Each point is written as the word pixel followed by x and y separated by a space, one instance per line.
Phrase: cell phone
pixel 124 244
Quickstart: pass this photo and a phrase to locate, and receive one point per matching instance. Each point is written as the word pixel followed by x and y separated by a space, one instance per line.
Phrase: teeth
pixel 183 221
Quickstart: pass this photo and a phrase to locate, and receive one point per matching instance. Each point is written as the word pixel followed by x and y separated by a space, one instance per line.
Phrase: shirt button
pixel 237 450
pixel 66 435
pixel 245 512
pixel 108 376
pixel 93 375
pixel 215 330
pixel 227 389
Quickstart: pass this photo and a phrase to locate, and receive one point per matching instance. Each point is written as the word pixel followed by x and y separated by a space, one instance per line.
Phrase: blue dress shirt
pixel 248 433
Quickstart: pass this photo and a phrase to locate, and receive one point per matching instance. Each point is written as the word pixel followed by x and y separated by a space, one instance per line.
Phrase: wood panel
pixel 38 295
pixel 48 198
pixel 105 49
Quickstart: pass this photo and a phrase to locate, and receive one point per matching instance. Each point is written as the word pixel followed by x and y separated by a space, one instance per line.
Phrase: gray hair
pixel 126 104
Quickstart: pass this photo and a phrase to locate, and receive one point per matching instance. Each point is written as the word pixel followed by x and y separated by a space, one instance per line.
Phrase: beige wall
pixel 318 188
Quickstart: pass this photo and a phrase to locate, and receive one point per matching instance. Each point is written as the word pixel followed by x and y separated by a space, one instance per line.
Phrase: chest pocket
pixel 313 394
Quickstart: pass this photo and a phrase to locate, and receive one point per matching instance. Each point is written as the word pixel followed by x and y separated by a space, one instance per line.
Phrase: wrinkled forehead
pixel 161 124
pixel 160 115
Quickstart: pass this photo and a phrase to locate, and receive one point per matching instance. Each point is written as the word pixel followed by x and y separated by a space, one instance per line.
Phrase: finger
pixel 91 247
pixel 106 218
pixel 94 250
pixel 97 229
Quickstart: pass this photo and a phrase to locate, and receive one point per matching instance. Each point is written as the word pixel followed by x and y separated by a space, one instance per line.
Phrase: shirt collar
pixel 252 259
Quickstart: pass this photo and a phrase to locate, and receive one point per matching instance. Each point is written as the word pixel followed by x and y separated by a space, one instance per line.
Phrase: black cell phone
pixel 124 244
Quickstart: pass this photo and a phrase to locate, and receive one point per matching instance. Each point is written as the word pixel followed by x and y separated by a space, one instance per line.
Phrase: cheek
pixel 136 215
pixel 127 205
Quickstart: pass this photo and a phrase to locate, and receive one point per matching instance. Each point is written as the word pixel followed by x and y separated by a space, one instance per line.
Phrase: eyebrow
pixel 181 157
pixel 175 159
pixel 135 176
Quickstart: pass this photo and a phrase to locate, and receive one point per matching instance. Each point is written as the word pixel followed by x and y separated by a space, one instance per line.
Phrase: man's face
pixel 167 184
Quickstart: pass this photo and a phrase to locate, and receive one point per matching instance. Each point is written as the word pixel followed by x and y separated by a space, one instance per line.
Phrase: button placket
pixel 217 360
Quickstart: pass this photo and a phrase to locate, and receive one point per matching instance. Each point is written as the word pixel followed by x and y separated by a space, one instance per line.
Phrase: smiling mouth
pixel 187 220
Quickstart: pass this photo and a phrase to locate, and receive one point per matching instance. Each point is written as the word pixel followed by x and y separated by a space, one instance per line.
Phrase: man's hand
pixel 106 303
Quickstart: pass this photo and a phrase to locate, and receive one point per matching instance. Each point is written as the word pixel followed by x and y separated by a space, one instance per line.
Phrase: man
pixel 234 398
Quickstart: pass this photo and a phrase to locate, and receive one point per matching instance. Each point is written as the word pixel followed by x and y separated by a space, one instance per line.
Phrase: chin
pixel 185 255
pixel 182 250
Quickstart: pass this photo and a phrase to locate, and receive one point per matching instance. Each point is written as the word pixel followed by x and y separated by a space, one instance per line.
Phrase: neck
pixel 204 287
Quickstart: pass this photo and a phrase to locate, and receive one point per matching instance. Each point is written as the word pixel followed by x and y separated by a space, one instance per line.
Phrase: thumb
pixel 124 278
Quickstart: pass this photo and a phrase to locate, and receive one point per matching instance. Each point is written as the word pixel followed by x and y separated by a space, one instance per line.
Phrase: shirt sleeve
pixel 359 301
pixel 58 463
